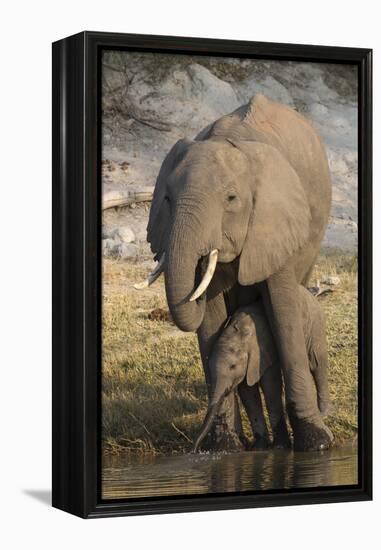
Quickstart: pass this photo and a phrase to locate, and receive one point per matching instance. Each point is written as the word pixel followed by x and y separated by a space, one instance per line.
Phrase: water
pixel 126 477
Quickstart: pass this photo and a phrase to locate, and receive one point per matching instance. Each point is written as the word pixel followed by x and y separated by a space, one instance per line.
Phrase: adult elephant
pixel 239 213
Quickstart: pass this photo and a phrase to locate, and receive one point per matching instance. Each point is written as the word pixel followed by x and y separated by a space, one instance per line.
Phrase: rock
pixel 108 247
pixel 318 291
pixel 124 165
pixel 191 96
pixel 174 97
pixel 125 234
pixel 211 91
pixel 108 231
pixel 269 87
pixel 108 164
pixel 331 280
pixel 127 251
pixel 324 292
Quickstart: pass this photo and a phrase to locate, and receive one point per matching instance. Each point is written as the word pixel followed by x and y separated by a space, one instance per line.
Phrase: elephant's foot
pixel 325 407
pixel 224 438
pixel 261 442
pixel 310 435
pixel 281 437
pixel 245 441
pixel 227 441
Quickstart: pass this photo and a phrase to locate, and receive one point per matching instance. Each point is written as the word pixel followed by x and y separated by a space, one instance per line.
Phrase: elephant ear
pixel 260 346
pixel 253 371
pixel 158 227
pixel 261 355
pixel 247 329
pixel 280 219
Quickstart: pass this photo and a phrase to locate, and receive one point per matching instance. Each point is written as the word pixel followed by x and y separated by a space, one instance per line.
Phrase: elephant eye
pixel 167 202
pixel 231 197
pixel 232 367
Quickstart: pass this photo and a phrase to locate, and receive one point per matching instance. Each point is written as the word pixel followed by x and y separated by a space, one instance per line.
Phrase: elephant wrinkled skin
pixel 245 357
pixel 254 186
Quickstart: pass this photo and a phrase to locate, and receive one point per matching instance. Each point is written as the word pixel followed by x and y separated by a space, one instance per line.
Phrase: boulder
pixel 108 247
pixel 125 234
pixel 151 101
pixel 127 251
pixel 188 99
pixel 331 280
pixel 108 231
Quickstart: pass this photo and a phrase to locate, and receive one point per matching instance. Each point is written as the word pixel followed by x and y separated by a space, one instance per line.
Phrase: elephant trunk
pixel 220 389
pixel 187 245
pixel 207 424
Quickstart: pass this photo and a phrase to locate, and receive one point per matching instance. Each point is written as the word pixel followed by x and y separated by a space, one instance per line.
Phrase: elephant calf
pixel 246 349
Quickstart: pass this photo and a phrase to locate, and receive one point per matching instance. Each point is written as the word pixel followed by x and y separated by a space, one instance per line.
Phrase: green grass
pixel 154 396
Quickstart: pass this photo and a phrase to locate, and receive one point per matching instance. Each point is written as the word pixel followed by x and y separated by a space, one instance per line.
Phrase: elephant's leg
pixel 272 386
pixel 319 365
pixel 252 402
pixel 226 433
pixel 307 276
pixel 283 308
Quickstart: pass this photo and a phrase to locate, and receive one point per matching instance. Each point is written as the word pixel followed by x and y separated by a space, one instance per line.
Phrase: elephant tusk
pixel 213 257
pixel 155 274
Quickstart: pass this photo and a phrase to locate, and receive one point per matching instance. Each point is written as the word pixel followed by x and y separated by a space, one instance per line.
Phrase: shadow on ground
pixel 42 495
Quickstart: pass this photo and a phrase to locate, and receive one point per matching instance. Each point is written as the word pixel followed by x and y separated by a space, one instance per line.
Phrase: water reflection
pixel 126 477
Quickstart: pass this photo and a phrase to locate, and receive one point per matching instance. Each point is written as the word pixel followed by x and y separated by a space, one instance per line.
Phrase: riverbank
pixel 153 391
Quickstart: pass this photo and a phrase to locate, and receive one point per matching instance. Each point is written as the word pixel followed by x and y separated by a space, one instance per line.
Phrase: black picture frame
pixel 77 276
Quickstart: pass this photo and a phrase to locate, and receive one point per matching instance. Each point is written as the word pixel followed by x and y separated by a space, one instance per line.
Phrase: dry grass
pixel 341 315
pixel 154 395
